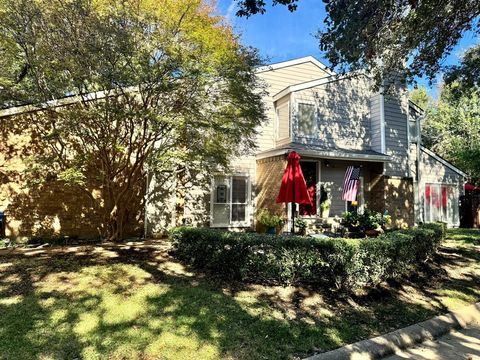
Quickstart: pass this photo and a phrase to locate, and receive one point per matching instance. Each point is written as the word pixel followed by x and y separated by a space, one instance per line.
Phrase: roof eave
pixel 334 155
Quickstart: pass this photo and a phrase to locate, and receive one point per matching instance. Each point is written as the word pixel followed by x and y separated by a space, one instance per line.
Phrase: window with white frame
pixel 230 201
pixel 441 203
pixel 307 121
pixel 283 121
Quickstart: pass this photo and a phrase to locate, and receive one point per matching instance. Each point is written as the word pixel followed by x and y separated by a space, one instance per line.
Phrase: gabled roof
pixel 443 161
pixel 293 62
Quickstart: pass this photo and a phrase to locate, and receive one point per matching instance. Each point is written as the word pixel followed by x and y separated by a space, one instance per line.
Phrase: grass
pixel 135 302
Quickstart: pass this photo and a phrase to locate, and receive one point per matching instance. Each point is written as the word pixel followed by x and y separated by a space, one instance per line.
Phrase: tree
pixel 410 37
pixel 420 97
pixel 163 84
pixel 451 129
pixel 465 75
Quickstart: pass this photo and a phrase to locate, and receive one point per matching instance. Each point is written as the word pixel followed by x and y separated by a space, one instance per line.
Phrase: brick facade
pixel 268 181
pixel 395 195
pixel 45 207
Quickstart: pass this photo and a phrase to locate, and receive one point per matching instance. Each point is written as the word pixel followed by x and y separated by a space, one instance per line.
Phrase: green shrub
pixel 341 263
pixel 268 219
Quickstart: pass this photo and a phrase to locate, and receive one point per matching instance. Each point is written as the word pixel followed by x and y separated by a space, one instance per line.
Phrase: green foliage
pixel 420 97
pixel 268 219
pixel 342 263
pixel 165 86
pixel 410 38
pixel 300 223
pixel 467 73
pixel 369 220
pixel 451 129
pixel 325 201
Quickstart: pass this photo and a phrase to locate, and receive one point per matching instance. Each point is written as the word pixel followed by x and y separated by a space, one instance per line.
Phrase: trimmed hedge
pixel 343 263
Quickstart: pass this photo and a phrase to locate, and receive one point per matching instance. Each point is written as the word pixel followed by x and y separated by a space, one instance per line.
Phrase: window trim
pixel 248 204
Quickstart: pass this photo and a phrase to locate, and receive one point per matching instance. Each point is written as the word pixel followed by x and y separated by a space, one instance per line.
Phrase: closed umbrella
pixel 293 188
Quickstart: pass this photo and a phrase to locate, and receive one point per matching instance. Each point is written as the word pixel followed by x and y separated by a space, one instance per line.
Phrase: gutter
pixel 324 155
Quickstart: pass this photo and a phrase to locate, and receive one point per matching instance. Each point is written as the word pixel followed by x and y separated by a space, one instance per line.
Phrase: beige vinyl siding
pixel 342 112
pixel 433 171
pixel 276 81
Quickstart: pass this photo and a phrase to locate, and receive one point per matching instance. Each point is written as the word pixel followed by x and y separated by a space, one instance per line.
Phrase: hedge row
pixel 343 263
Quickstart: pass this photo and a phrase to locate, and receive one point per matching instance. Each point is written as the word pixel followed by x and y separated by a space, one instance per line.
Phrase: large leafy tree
pixel 452 129
pixel 160 84
pixel 386 37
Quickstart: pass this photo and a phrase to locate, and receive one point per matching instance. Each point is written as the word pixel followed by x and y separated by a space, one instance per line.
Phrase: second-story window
pixel 307 122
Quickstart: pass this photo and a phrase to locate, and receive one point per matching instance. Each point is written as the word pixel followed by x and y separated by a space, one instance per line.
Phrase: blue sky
pixel 281 35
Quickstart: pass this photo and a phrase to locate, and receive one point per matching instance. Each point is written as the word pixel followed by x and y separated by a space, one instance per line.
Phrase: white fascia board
pixel 293 62
pixel 443 161
pixel 64 101
pixel 315 83
pixel 302 86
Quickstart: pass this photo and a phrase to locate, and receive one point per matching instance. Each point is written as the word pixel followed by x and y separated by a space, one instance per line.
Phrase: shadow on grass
pixel 121 302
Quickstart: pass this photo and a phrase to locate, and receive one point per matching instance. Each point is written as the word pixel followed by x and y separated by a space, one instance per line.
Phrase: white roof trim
pixel 293 62
pixel 325 154
pixel 444 162
pixel 314 83
pixel 63 101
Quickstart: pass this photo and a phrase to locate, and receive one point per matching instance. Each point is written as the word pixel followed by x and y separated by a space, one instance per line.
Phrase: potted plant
pixel 301 225
pixel 325 203
pixel 269 221
pixel 351 220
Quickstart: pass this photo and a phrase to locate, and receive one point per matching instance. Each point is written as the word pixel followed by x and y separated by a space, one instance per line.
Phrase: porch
pixel 324 176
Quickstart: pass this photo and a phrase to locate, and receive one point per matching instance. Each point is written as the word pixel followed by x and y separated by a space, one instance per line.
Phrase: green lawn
pixel 135 302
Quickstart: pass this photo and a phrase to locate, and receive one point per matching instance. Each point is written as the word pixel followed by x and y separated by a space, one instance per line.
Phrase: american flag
pixel 351 183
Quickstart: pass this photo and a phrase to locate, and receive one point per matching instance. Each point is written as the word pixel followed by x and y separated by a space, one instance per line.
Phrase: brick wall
pixel 396 196
pixel 269 178
pixel 48 207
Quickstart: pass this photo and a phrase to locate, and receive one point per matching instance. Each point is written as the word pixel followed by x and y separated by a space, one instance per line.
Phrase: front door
pixel 310 173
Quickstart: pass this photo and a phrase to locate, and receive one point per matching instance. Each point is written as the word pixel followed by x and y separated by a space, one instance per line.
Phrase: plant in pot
pixel 301 226
pixel 269 221
pixel 351 220
pixel 373 223
pixel 325 203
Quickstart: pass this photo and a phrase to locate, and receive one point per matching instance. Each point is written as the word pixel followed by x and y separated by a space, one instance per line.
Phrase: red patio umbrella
pixel 293 188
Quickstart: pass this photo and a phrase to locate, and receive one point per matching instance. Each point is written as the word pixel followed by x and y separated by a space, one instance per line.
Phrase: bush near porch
pixel 342 263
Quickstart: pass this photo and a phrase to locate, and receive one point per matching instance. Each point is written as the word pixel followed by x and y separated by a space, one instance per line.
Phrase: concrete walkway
pixel 457 345
pixel 455 335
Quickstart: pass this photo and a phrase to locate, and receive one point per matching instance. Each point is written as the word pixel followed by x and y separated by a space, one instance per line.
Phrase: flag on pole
pixel 351 183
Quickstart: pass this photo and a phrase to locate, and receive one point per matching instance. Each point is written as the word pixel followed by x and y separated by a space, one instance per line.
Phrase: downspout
pixel 147 194
pixel 420 189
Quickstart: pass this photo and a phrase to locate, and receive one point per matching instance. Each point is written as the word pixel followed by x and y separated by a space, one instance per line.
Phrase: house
pixel 332 122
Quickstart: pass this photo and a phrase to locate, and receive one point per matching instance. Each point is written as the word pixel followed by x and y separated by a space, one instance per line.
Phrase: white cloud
pixel 231 10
